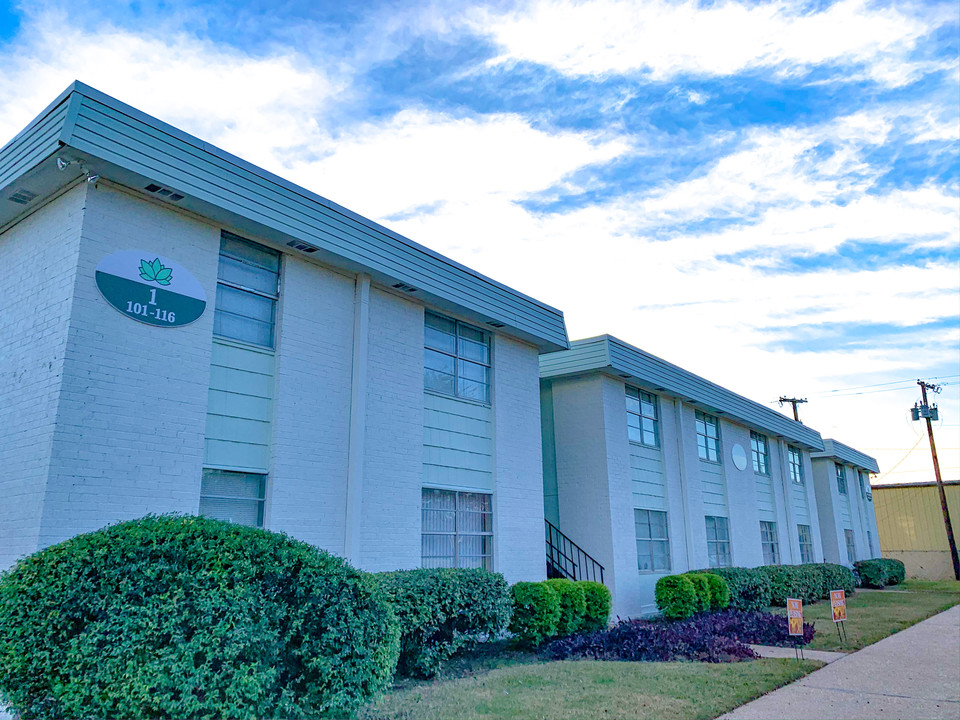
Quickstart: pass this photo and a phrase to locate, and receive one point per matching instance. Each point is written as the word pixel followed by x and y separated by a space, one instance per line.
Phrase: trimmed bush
pixel 442 611
pixel 792 581
pixel 880 572
pixel 702 586
pixel 573 605
pixel 177 616
pixel 749 589
pixel 838 577
pixel 676 597
pixel 598 604
pixel 719 591
pixel 536 612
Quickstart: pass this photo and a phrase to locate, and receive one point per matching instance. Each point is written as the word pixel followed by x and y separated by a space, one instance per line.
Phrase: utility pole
pixel 794 402
pixel 926 412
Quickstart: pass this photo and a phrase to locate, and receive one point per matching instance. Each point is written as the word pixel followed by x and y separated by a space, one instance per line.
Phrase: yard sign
pixel 795 615
pixel 838 604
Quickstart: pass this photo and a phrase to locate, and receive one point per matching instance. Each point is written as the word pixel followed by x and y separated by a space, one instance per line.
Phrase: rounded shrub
pixel 443 610
pixel 536 612
pixel 702 586
pixel 838 577
pixel 749 588
pixel 880 572
pixel 176 616
pixel 719 592
pixel 573 605
pixel 598 605
pixel 676 597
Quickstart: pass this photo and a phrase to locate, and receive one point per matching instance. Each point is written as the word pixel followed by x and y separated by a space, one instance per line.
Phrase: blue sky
pixel 763 193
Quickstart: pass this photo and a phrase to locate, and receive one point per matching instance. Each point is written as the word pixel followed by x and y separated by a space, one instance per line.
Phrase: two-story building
pixel 182 331
pixel 650 470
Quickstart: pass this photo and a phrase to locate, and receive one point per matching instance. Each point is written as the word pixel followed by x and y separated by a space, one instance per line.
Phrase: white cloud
pixel 664 39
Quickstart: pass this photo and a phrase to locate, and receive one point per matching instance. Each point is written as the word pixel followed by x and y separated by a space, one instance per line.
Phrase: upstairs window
pixel 642 423
pixel 456 359
pixel 865 485
pixel 760 453
pixel 248 282
pixel 795 464
pixel 708 437
pixel 841 478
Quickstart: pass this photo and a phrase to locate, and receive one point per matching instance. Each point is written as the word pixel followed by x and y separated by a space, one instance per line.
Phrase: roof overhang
pixel 609 355
pixel 836 450
pixel 99 135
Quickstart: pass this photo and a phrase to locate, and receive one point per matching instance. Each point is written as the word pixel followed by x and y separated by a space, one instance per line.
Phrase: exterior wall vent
pixel 405 287
pixel 494 323
pixel 164 192
pixel 22 197
pixel 302 246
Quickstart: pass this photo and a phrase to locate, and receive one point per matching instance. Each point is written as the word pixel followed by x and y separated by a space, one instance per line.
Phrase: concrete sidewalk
pixel 913 675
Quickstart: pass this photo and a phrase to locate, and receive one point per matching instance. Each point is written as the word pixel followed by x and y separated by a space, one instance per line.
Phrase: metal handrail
pixel 567 559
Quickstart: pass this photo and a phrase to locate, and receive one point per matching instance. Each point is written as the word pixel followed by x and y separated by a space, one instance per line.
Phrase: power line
pixel 901 459
pixel 912 381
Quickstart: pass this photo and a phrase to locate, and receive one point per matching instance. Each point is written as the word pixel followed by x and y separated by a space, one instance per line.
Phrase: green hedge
pixel 441 611
pixel 757 588
pixel 880 572
pixel 702 586
pixel 191 617
pixel 536 612
pixel 598 604
pixel 719 591
pixel 676 597
pixel 573 605
pixel 749 589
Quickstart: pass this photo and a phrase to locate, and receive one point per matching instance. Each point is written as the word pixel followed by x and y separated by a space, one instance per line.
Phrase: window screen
pixel 457 529
pixel 233 496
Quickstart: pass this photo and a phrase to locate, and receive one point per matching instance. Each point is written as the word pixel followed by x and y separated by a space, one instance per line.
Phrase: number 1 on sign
pixel 153 296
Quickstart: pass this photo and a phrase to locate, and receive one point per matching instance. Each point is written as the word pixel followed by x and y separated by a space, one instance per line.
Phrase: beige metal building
pixel 910 523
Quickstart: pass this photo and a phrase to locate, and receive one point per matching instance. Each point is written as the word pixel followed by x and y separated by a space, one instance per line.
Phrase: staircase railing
pixel 566 559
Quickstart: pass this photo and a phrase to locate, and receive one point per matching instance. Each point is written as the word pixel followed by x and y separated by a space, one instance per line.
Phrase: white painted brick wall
pixel 130 426
pixel 741 496
pixel 393 442
pixel 519 544
pixel 307 496
pixel 39 257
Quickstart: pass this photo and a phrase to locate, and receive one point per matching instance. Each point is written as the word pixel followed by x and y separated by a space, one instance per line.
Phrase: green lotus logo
pixel 155 272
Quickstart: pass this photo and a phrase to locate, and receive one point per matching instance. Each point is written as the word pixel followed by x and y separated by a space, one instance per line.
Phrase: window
pixel 708 437
pixel 233 496
pixel 653 545
pixel 456 359
pixel 865 485
pixel 248 279
pixel 718 542
pixel 760 453
pixel 841 478
pixel 806 543
pixel 769 542
pixel 457 529
pixel 642 425
pixel 795 463
pixel 851 546
pixel 870 542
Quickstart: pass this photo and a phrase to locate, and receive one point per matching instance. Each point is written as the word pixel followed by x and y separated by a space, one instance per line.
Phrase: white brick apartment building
pixel 342 383
pixel 651 470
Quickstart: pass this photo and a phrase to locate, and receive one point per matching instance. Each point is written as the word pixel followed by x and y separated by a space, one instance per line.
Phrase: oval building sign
pixel 150 288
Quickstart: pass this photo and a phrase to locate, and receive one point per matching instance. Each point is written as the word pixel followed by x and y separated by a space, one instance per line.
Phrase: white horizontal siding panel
pixel 457 443
pixel 766 505
pixel 649 485
pixel 236 455
pixel 798 502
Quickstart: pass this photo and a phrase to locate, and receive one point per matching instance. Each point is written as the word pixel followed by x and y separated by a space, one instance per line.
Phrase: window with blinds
pixel 806 543
pixel 457 529
pixel 233 496
pixel 769 543
pixel 653 543
pixel 718 542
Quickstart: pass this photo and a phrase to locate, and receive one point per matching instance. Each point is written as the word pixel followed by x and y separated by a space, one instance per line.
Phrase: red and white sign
pixel 795 616
pixel 838 604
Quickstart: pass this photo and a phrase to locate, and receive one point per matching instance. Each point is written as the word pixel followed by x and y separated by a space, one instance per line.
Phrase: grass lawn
pixel 588 689
pixel 874 614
